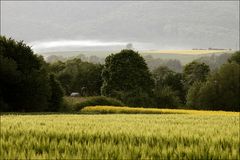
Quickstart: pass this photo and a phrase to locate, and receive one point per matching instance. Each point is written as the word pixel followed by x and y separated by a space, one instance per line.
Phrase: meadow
pixel 169 135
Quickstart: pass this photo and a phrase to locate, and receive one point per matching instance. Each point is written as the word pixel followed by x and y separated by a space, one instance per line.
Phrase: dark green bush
pixel 66 106
pixel 136 98
pixel 166 98
pixel 96 101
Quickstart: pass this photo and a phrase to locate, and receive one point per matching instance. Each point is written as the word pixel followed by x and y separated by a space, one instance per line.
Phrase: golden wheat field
pixel 189 135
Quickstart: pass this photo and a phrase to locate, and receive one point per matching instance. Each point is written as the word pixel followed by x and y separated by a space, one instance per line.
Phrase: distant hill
pixel 184 56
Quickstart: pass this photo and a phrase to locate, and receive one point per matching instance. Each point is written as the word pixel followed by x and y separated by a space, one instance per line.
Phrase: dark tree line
pixel 126 77
pixel 28 83
pixel 221 89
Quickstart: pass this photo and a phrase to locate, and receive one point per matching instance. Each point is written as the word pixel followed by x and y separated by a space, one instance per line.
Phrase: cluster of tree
pixel 152 63
pixel 28 83
pixel 78 76
pixel 220 90
pixel 25 83
pixel 169 88
pixel 172 64
pixel 91 59
pixel 127 77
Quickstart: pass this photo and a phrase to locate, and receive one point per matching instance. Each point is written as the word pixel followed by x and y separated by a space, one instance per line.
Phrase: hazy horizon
pixel 77 25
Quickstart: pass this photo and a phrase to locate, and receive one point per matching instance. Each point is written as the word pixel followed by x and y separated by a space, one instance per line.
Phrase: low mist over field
pixel 74 26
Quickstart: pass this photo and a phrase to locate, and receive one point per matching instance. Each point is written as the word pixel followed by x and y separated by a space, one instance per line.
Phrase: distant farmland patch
pixel 191 52
pixel 184 56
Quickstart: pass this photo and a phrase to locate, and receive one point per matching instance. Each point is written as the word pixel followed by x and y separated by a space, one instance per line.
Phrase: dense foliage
pixel 169 87
pixel 195 71
pixel 220 92
pixel 126 76
pixel 24 80
pixel 57 93
pixel 28 83
pixel 235 58
pixel 78 76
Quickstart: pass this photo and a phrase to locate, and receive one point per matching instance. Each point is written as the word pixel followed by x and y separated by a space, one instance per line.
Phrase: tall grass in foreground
pixel 120 136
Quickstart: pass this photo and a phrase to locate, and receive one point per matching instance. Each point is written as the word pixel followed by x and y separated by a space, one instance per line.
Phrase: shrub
pixel 76 104
pixel 66 106
pixel 136 98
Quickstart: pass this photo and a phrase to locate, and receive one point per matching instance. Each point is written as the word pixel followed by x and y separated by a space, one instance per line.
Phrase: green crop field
pixel 206 135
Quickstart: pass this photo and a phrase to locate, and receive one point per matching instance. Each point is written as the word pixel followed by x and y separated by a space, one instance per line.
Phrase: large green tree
pixel 127 77
pixel 163 76
pixel 24 83
pixel 168 84
pixel 195 71
pixel 235 58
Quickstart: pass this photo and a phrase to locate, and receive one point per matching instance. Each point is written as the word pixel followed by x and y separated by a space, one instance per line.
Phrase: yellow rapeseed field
pixel 132 110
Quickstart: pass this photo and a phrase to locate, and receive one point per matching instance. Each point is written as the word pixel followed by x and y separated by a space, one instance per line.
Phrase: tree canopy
pixel 169 90
pixel 28 83
pixel 24 80
pixel 195 71
pixel 235 57
pixel 78 76
pixel 219 92
pixel 126 73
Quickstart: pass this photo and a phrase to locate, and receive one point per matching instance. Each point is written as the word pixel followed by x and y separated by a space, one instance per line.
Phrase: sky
pixel 80 25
